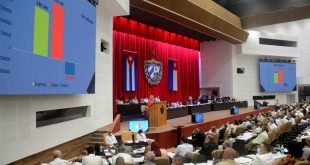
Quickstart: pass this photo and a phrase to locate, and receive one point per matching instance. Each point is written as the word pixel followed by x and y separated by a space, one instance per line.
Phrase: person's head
pixel 149 157
pixel 236 122
pixel 226 144
pixel 156 149
pixel 110 133
pixel 209 139
pixel 120 161
pixel 264 148
pixel 178 160
pixel 57 154
pixel 264 128
pixel 295 149
pixel 140 131
pixel 188 157
pixel 229 154
pixel 121 149
pixel 90 150
pixel 184 140
pixel 97 148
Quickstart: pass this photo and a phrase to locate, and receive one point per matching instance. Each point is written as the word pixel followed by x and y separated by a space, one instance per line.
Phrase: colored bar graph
pixel 57 31
pixel 41 31
pixel 280 73
pixel 276 78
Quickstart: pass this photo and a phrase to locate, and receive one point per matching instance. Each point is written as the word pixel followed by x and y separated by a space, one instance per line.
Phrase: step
pixel 95 138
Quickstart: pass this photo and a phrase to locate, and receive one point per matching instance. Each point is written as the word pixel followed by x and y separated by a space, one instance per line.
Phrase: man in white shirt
pixel 121 153
pixel 183 148
pixel 272 125
pixel 264 157
pixel 57 159
pixel 258 140
pixel 141 136
pixel 110 139
pixel 278 121
pixel 91 158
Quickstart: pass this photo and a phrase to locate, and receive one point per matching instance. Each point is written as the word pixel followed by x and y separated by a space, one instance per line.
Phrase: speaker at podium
pixel 158 114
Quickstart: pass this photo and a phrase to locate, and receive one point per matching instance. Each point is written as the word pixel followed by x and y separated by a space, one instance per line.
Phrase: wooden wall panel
pixel 69 150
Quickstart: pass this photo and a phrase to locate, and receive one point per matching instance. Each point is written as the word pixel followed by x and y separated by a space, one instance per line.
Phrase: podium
pixel 158 114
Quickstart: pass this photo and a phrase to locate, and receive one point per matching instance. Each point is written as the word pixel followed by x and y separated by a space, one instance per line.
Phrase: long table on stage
pixel 202 108
pixel 177 112
pixel 135 109
pixel 129 109
pixel 228 105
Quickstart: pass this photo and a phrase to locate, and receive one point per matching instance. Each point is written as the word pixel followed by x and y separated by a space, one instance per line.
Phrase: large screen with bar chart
pixel 277 77
pixel 47 47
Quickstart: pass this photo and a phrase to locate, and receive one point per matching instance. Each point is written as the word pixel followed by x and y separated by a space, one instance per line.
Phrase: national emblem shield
pixel 153 71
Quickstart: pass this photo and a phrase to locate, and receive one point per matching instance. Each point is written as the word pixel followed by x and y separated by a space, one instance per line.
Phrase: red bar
pixel 57 31
pixel 280 73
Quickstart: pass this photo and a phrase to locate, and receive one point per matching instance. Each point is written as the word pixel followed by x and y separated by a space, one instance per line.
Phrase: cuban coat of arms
pixel 153 71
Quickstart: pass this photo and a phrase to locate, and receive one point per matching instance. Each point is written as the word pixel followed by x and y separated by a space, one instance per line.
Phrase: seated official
pixel 159 152
pixel 91 158
pixel 121 153
pixel 141 136
pixel 295 156
pixel 264 156
pixel 110 139
pixel 149 158
pixel 206 150
pixel 57 159
pixel 228 157
pixel 198 138
pixel 258 140
pixel 184 147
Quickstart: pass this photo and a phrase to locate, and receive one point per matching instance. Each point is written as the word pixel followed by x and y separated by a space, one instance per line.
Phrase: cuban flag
pixel 130 71
pixel 173 75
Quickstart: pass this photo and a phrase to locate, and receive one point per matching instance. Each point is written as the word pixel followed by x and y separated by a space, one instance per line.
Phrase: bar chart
pixel 278 77
pixel 42 28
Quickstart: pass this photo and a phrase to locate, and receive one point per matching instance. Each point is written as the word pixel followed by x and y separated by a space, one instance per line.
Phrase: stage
pixel 168 136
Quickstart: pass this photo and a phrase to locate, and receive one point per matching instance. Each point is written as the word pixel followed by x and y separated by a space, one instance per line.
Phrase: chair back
pixel 217 154
pixel 126 136
pixel 239 131
pixel 216 138
pixel 162 160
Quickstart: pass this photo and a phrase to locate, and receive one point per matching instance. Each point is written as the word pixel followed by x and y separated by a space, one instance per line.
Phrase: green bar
pixel 40 36
pixel 276 78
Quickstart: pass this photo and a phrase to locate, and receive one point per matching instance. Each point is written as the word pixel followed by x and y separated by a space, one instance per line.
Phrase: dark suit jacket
pixel 207 149
pixel 198 139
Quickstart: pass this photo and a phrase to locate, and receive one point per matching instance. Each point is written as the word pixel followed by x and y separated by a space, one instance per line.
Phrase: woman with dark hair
pixel 141 136
pixel 98 150
pixel 159 152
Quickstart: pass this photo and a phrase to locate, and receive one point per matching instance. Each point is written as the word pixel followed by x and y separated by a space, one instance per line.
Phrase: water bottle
pixel 282 149
pixel 258 151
